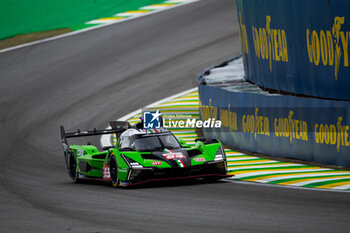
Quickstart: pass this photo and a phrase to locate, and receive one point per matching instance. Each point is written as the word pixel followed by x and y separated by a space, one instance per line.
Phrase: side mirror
pixel 183 143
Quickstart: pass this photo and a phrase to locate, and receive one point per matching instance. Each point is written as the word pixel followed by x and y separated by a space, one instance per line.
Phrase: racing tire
pixel 113 170
pixel 72 168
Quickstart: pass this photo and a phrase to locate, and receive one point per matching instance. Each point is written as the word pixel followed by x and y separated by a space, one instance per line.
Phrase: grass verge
pixel 26 38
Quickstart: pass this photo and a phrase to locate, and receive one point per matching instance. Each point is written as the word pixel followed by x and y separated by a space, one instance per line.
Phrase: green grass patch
pixel 28 16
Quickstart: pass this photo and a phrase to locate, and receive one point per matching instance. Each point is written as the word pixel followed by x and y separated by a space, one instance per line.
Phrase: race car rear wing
pixel 117 127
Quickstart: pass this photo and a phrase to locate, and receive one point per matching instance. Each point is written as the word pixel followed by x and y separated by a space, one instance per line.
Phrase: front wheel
pixel 113 169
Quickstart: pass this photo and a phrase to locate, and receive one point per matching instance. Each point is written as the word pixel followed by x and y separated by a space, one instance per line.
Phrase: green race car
pixel 143 155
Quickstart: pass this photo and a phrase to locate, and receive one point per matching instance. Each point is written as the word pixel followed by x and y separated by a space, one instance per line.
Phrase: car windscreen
pixel 151 143
pixel 169 141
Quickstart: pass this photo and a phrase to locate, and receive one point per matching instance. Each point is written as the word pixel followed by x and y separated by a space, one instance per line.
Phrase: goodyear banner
pixel 297 46
pixel 279 125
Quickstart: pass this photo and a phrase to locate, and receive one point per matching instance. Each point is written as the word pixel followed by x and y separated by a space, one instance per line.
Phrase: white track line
pixel 129 14
pixel 105 139
pixel 94 27
pixel 343 187
pixel 154 7
pixel 104 21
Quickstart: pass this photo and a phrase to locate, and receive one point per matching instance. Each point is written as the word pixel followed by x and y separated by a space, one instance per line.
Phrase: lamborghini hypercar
pixel 142 155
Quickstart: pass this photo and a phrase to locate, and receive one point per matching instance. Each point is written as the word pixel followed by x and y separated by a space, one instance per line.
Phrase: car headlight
pixel 219 154
pixel 132 163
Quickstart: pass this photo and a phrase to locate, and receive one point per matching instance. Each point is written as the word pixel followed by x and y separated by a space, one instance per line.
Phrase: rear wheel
pixel 72 168
pixel 113 169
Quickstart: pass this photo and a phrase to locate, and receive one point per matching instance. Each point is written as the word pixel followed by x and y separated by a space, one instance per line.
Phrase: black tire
pixel 72 168
pixel 113 170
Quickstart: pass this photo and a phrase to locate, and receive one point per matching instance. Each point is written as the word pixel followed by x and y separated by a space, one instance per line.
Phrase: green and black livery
pixel 142 156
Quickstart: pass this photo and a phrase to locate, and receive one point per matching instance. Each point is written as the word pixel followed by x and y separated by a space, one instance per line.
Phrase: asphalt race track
pixel 86 80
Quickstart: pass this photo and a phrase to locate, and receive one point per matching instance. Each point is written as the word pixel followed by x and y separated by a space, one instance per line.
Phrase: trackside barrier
pixel 297 46
pixel 279 125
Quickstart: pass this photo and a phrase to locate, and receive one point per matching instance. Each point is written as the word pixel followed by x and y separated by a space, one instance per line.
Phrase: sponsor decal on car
pixel 80 152
pixel 180 163
pixel 169 155
pixel 123 170
pixel 199 159
pixel 106 173
pixel 157 163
